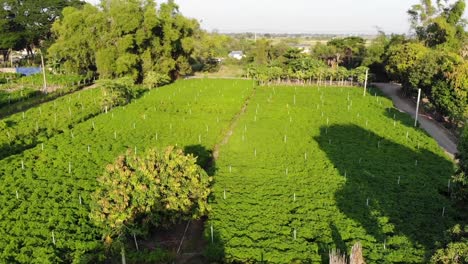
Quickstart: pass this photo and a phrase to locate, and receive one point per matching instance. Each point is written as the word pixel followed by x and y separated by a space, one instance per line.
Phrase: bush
pixel 155 189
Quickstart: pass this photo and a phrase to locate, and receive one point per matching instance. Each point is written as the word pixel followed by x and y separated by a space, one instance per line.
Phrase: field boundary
pixel 442 135
pixel 232 125
pixel 226 135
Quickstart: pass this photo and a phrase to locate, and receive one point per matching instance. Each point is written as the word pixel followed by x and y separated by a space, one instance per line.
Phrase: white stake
pixel 365 82
pixel 399 178
pixel 417 108
pixel 80 199
pixel 224 194
pixel 69 167
pixel 53 237
pixel 17 195
pixel 305 155
pixel 230 168
pixel 89 149
pixel 294 197
pixel 367 202
pixel 295 233
pixel 212 237
pixel 22 164
pixel 136 242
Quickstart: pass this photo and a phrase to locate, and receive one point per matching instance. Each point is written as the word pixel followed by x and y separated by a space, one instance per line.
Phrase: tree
pixel 351 50
pixel 152 42
pixel 152 190
pixel 116 92
pixel 439 25
pixel 29 21
pixel 401 59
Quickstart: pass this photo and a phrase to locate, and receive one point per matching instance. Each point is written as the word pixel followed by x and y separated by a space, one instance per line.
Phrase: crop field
pixel 305 170
pixel 310 169
pixel 46 189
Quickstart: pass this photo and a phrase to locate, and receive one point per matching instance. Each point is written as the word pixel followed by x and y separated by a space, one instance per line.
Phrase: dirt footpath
pixel 445 139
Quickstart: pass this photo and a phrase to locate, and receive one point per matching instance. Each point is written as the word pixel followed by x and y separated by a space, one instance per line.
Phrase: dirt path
pixel 232 125
pixel 192 243
pixel 445 139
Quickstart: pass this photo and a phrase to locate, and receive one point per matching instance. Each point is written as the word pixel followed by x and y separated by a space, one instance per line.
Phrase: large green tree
pixel 27 23
pixel 153 45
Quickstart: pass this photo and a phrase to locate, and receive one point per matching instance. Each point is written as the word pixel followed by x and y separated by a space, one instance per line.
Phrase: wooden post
pixel 417 108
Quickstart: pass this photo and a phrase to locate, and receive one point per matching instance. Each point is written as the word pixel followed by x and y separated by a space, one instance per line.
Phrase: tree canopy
pixel 27 23
pixel 154 43
pixel 156 188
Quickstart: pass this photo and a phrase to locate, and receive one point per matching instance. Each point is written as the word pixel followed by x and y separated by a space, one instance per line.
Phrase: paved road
pixel 438 132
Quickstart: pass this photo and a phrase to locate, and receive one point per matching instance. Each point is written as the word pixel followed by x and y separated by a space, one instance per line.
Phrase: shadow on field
pixel 204 156
pixel 387 181
pixel 399 117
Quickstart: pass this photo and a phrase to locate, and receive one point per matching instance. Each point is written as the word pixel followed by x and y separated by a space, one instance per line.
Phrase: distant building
pixel 304 48
pixel 236 54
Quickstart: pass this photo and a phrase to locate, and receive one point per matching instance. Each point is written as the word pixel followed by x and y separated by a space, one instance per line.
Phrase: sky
pixel 299 16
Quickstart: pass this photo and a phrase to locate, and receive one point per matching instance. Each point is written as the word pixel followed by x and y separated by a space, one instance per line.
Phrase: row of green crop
pixel 25 92
pixel 28 128
pixel 45 192
pixel 36 81
pixel 309 169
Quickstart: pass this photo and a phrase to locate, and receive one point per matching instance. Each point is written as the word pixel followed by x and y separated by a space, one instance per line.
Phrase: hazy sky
pixel 299 16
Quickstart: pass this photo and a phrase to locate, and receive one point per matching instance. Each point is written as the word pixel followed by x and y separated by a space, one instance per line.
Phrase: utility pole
pixel 417 108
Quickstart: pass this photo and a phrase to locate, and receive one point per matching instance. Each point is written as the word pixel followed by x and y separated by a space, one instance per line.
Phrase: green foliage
pixel 151 40
pixel 456 252
pixel 54 180
pixel 461 178
pixel 149 257
pixel 117 92
pixel 153 189
pixel 331 149
pixel 27 23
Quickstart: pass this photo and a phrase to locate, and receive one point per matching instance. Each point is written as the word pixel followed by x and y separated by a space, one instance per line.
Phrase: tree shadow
pixel 389 189
pixel 399 116
pixel 204 157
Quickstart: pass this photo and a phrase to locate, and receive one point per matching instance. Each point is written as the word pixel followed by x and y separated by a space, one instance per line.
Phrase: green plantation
pixel 46 189
pixel 311 169
pixel 304 170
